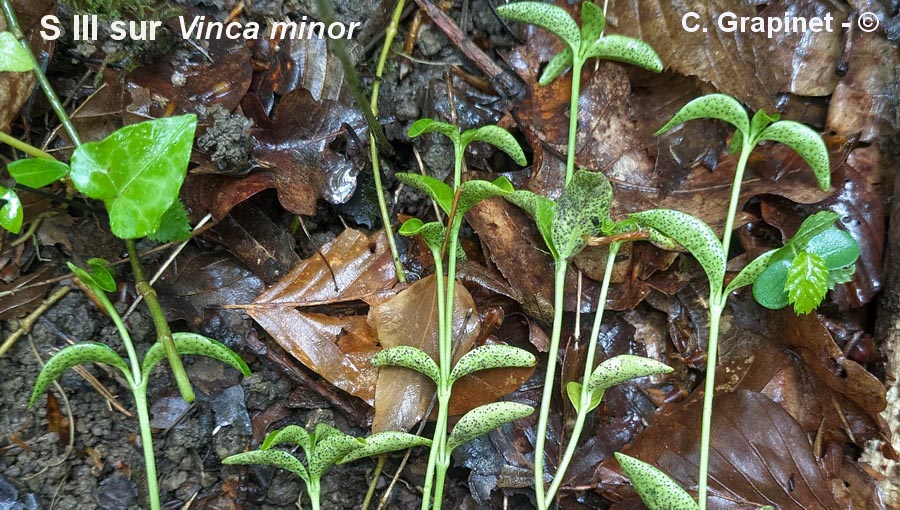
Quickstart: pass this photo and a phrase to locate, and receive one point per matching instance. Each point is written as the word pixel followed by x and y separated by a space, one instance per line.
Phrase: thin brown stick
pixel 26 323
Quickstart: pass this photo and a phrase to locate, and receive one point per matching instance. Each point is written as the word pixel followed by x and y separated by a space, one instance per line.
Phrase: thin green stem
pixel 314 491
pixel 163 333
pixel 443 464
pixel 440 426
pixel 735 196
pixel 138 378
pixel 549 385
pixel 573 117
pixel 459 152
pixel 29 149
pixel 143 414
pixel 584 406
pixel 438 442
pixel 379 467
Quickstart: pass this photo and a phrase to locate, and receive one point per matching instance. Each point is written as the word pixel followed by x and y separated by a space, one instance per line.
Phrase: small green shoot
pixel 37 172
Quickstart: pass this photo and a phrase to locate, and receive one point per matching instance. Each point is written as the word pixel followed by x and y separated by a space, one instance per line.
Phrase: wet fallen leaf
pixel 257 241
pixel 18 304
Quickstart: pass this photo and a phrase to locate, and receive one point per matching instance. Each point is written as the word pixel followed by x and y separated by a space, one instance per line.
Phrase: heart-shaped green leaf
pixel 622 368
pixel 329 450
pixel 582 211
pixel 695 236
pixel 807 143
pixel 768 289
pixel 37 172
pixel 556 66
pixel 11 214
pixel 276 458
pixel 541 209
pixel 68 357
pixel 192 343
pixel 751 272
pixel 553 18
pixel 385 442
pixel 656 489
pixel 628 50
pixel 432 232
pixel 574 389
pixel 472 192
pixel 807 282
pixel 499 138
pixel 13 57
pixel 174 226
pixel 836 247
pixel 491 356
pixel 409 357
pixel 593 23
pixel 137 172
pixel 712 106
pixel 483 419
pixel 292 434
pixel 423 126
pixel 437 190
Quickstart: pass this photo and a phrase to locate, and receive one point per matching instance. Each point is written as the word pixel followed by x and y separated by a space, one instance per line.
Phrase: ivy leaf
pixel 628 50
pixel 276 458
pixel 541 209
pixel 623 368
pixel 174 226
pixel 329 450
pixel 137 171
pixel 499 138
pixel 553 18
pixel 409 357
pixel 768 289
pixel 656 489
pixel 13 57
pixel 385 442
pixel 574 389
pixel 434 188
pixel 582 210
pixel 11 214
pixel 423 126
pixel 807 282
pixel 491 356
pixel 192 343
pixel 483 419
pixel 432 232
pixel 37 172
pixel 593 22
pixel 557 65
pixel 68 357
pixel 712 106
pixel 292 434
pixel 807 143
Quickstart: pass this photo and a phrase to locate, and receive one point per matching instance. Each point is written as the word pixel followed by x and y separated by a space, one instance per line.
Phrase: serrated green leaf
pixel 432 232
pixel 11 214
pixel 68 357
pixel 329 450
pixel 137 172
pixel 656 489
pixel 37 172
pixel 574 389
pixel 553 18
pixel 292 434
pixel 409 357
pixel 807 143
pixel 174 226
pixel 761 120
pixel 807 282
pixel 192 343
pixel 835 246
pixel 434 188
pixel 581 212
pixel 541 209
pixel 556 66
pixel 385 442
pixel 751 272
pixel 623 368
pixel 768 289
pixel 423 126
pixel 694 235
pixel 276 458
pixel 812 226
pixel 473 192
pixel 628 50
pixel 491 356
pixel 712 106
pixel 593 22
pixel 483 419
pixel 499 138
pixel 13 57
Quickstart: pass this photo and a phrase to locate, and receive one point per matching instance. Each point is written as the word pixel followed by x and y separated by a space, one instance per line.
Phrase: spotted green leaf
pixel 768 289
pixel 192 343
pixel 556 66
pixel 622 368
pixel 582 210
pixel 499 138
pixel 437 190
pixel 472 192
pixel 835 246
pixel 174 226
pixel 13 57
pixel 807 143
pixel 11 214
pixel 483 419
pixel 694 235
pixel 656 489
pixel 423 126
pixel 137 172
pixel 322 431
pixel 553 18
pixel 541 209
pixel 331 449
pixel 627 50
pixel 37 172
pixel 593 22
pixel 276 458
pixel 574 389
pixel 385 442
pixel 750 272
pixel 491 356
pixel 712 106
pixel 432 232
pixel 807 282
pixel 409 357
pixel 68 357
pixel 292 434
pixel 737 142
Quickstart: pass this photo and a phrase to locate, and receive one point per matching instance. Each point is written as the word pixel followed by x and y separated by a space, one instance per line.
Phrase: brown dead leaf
pixel 293 64
pixel 20 303
pixel 15 88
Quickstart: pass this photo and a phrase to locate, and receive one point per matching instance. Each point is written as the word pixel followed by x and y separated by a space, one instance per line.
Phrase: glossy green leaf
pixel 581 212
pixel 292 434
pixel 623 368
pixel 483 419
pixel 574 389
pixel 751 272
pixel 695 236
pixel 330 450
pixel 409 357
pixel 712 106
pixel 11 213
pixel 432 232
pixel 761 120
pixel 385 442
pixel 491 356
pixel 628 50
pixel 473 192
pixel 768 289
pixel 557 65
pixel 436 189
pixel 13 57
pixel 541 209
pixel 835 246
pixel 37 172
pixel 174 226
pixel 807 282
pixel 137 171
pixel 68 357
pixel 807 143
pixel 499 138
pixel 423 126
pixel 99 279
pixel 593 22
pixel 192 343
pixel 276 458
pixel 812 226
pixel 656 489
pixel 553 18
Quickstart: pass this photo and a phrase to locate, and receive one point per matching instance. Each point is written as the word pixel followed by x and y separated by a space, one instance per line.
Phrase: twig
pixel 28 322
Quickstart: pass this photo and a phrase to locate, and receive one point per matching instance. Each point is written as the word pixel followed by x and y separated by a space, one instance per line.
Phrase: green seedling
pixel 582 44
pixel 656 489
pixel 135 371
pixel 805 268
pixel 322 449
